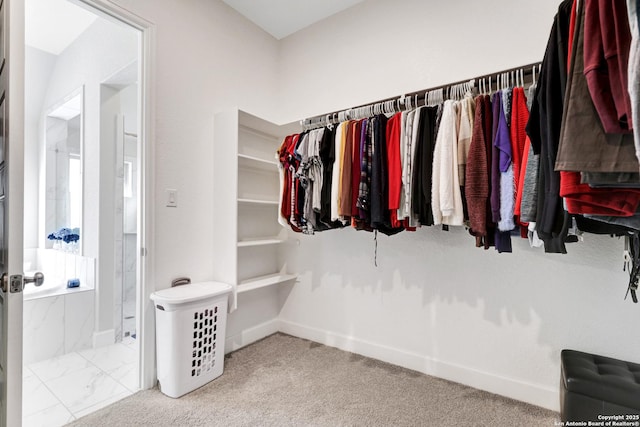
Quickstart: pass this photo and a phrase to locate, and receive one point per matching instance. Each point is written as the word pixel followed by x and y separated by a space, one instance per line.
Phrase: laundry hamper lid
pixel 192 292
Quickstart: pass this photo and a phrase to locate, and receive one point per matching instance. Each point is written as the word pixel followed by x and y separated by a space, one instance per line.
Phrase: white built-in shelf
pixel 259 242
pixel 258 202
pixel 246 187
pixel 246 161
pixel 263 281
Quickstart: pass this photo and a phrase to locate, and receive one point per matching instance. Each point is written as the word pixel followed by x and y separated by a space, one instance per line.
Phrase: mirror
pixel 64 164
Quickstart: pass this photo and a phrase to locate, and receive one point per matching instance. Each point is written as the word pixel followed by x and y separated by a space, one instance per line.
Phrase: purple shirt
pixel 496 103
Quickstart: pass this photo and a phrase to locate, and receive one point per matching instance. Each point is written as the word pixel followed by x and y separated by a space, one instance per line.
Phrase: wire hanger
pixel 533 74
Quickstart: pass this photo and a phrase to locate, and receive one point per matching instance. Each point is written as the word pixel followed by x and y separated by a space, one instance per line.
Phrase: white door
pixel 11 207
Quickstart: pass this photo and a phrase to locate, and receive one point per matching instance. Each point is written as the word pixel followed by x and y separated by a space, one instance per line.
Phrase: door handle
pixel 37 279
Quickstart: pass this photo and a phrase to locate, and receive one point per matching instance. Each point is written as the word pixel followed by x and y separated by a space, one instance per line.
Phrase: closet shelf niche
pixel 258 202
pixel 248 249
pixel 246 161
pixel 259 242
pixel 263 281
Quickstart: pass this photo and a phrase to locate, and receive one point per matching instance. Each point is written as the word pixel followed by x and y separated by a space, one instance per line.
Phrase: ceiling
pixel 69 109
pixel 281 18
pixel 52 25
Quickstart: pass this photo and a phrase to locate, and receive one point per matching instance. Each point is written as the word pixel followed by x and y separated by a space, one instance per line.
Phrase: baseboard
pixel 525 392
pixel 251 335
pixel 104 338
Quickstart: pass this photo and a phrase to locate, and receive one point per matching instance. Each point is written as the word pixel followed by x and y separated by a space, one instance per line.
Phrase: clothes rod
pixel 527 73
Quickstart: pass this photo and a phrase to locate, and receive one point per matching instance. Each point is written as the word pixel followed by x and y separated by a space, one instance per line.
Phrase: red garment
pixel 394 167
pixel 582 199
pixel 607 40
pixel 572 30
pixel 285 207
pixel 290 185
pixel 519 119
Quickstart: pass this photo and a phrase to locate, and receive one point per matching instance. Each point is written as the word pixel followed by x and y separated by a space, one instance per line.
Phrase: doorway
pixel 83 134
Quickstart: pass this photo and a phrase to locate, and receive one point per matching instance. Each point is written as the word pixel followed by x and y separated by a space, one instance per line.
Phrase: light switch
pixel 172 198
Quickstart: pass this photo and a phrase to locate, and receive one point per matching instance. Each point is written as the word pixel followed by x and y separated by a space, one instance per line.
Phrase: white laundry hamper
pixel 190 335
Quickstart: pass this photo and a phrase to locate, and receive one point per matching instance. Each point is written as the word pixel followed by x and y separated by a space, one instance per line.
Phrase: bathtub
pixel 58 320
pixel 32 292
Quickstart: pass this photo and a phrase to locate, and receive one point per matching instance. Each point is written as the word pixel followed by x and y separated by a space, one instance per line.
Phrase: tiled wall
pixel 129 297
pixel 57 325
pixel 125 287
pixel 58 267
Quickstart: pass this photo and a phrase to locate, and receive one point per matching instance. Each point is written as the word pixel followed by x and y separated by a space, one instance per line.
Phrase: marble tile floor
pixel 59 390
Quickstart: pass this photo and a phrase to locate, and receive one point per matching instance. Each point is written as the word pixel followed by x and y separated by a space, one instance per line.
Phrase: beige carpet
pixel 287 381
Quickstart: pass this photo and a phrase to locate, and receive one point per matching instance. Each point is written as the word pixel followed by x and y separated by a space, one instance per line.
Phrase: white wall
pixel 208 58
pixel 435 303
pixel 379 48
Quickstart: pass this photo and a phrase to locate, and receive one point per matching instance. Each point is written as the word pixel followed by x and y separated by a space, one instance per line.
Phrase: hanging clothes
pixel 503 143
pixel 606 57
pixel 336 171
pixel 423 160
pixel 356 161
pixel 596 130
pixel 346 163
pixel 581 198
pixel 364 188
pixel 466 111
pixel 304 191
pixel 519 147
pixel 394 167
pixel 380 213
pixel 633 7
pixel 465 130
pixel 488 162
pixel 496 112
pixel 529 187
pixel 287 164
pixel 310 172
pixel 477 173
pixel 360 218
pixel 327 157
pixel 408 143
pixel 543 129
pixel 446 199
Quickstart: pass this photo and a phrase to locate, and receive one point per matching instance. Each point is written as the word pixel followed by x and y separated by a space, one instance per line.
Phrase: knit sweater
pixel 529 186
pixel 446 199
pixel 477 174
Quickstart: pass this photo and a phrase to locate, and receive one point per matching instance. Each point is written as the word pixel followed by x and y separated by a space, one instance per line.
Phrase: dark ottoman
pixel 593 386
